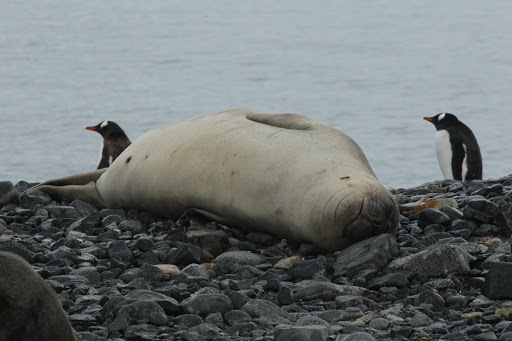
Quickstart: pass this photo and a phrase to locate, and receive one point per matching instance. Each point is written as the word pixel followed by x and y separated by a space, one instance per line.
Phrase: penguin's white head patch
pixel 441 117
pixel 104 124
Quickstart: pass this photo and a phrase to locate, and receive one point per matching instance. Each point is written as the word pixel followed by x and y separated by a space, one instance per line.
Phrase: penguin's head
pixel 443 120
pixel 108 129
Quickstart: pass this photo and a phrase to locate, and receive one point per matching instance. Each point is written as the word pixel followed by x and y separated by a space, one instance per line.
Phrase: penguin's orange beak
pixel 91 128
pixel 428 119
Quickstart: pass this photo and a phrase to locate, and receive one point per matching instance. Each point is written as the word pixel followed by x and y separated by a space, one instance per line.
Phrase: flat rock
pixel 259 308
pixel 437 261
pixel 300 333
pixel 207 303
pixel 372 253
pixel 232 261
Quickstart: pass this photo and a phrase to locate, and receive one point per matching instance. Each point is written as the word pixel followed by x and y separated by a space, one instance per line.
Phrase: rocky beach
pixel 128 275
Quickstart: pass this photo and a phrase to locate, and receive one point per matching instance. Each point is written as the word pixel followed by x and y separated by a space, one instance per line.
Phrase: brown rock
pixel 168 269
pixel 433 203
pixel 286 263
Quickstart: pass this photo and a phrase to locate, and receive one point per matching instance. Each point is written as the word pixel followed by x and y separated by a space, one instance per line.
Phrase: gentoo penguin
pixel 457 149
pixel 114 142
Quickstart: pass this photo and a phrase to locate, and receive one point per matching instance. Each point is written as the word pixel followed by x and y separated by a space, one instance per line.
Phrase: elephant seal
pixel 284 174
pixel 29 308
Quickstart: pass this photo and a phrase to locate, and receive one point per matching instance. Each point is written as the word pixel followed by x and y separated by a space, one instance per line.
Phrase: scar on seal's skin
pixel 345 178
pixel 128 159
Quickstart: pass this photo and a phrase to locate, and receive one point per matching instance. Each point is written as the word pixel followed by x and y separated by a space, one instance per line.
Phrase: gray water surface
pixel 372 69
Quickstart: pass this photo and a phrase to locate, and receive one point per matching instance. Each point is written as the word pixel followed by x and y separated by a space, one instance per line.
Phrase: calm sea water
pixel 372 69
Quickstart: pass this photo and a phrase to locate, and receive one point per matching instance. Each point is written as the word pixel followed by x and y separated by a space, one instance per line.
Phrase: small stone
pixel 379 323
pixel 474 315
pixel 286 263
pixel 504 248
pixel 457 301
pixel 436 261
pixel 300 333
pixel 143 312
pixel 390 280
pixel 434 204
pixel 261 308
pixel 481 210
pixel 420 320
pixel 313 290
pixel 432 216
pixel 213 241
pixel 119 250
pixel 372 253
pixel 497 281
pixel 207 303
pixel 232 261
pixel 506 336
pixel 306 269
pixel 503 311
pixel 358 336
pixel 429 297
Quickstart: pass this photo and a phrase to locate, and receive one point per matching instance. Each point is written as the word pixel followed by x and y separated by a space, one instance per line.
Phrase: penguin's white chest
pixel 444 153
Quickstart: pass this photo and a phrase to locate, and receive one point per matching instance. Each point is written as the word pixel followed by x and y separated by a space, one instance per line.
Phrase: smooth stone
pixel 143 312
pixel 372 253
pixel 213 241
pixel 379 323
pixel 436 261
pixel 168 269
pixel 389 280
pixel 232 261
pixel 188 320
pixel 481 210
pixel 306 269
pixel 167 303
pixel 261 308
pixel 284 332
pixel 432 216
pixel 358 336
pixel 119 250
pixel 312 290
pixel 286 263
pixel 207 303
pixel 429 297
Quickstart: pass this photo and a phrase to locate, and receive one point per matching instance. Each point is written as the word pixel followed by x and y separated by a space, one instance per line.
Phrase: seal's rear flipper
pixel 76 179
pixel 287 121
pixel 87 193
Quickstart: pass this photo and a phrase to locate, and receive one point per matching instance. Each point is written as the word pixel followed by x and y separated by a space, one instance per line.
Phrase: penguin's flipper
pixel 458 159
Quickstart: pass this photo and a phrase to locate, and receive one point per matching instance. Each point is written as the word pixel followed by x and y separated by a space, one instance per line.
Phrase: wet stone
pixel 481 210
pixel 432 216
pixel 300 333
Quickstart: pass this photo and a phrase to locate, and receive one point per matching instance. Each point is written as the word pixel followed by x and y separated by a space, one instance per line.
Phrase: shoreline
pixel 128 275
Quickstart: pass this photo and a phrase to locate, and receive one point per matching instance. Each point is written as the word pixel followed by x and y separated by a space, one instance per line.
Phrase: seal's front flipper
pixel 76 179
pixel 211 216
pixel 287 121
pixel 87 193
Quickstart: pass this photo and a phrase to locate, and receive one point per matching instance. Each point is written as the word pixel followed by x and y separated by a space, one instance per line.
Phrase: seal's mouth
pixel 374 217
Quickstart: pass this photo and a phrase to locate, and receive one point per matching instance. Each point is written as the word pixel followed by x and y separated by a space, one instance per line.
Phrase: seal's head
pixel 364 213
